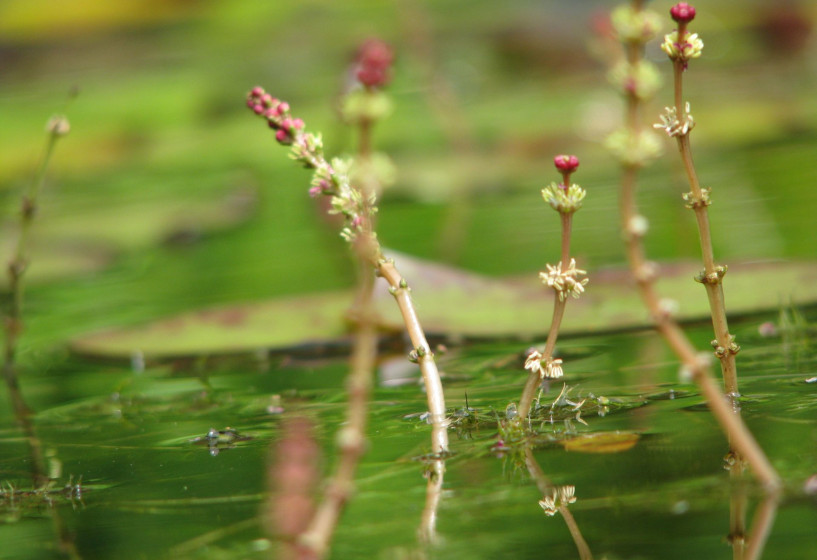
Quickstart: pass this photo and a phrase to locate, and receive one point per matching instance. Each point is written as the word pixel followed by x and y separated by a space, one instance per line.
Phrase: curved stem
pixel 428 367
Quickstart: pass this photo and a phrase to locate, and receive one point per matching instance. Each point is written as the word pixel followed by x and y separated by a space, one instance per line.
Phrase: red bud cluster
pixel 374 60
pixel 566 163
pixel 277 114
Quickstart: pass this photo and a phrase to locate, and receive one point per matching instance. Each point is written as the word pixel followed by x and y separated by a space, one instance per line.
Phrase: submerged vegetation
pixel 340 425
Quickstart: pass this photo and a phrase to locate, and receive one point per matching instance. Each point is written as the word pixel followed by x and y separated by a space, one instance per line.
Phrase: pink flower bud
pixel 258 109
pixel 565 163
pixel 282 107
pixel 283 136
pixel 315 191
pixel 297 124
pixel 682 13
pixel 266 99
pixel 286 124
pixel 257 91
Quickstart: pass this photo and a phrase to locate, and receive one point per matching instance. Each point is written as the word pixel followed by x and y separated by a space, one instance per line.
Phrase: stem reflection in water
pixel 554 497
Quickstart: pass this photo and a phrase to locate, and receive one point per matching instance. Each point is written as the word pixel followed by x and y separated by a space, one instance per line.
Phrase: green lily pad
pixel 277 323
pixel 66 241
pixel 141 223
pixel 452 303
pixel 53 261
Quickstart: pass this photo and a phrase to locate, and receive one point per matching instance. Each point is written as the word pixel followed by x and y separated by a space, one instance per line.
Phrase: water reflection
pixel 434 473
pixel 45 471
pixel 557 499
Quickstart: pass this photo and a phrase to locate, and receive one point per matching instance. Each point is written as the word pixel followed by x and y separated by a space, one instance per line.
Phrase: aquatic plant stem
pixel 645 274
pixel 712 276
pixel 559 304
pixel 13 320
pixel 351 439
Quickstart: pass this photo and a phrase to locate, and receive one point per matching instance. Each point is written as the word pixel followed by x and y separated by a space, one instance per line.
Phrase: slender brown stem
pixel 534 379
pixel 559 304
pixel 352 437
pixel 712 280
pixel 13 320
pixel 740 437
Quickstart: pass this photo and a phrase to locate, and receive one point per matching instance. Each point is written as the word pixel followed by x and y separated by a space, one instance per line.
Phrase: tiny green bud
pixel 564 201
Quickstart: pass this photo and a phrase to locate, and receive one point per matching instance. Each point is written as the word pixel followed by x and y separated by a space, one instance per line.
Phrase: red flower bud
pixel 374 60
pixel 565 163
pixel 682 13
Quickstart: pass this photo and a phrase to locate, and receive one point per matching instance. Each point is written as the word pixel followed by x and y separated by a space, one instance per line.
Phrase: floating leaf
pixel 604 442
pixel 450 303
pixel 278 323
pixel 67 241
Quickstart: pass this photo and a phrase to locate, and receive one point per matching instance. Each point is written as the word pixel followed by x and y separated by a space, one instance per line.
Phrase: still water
pixel 146 467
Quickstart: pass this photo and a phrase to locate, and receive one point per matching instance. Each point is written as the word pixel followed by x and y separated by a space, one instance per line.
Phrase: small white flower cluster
pixel 567 282
pixel 550 368
pixel 674 125
pixel 559 496
pixel 691 47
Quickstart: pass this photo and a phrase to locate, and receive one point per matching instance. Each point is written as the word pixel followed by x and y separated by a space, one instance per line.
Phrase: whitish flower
pixel 534 362
pixel 567 282
pixel 553 369
pixel 567 494
pixel 691 47
pixel 548 504
pixel 675 125
pixel 558 497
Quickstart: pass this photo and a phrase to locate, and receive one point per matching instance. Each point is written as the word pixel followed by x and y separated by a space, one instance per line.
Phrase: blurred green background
pixel 168 195
pixel 174 196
